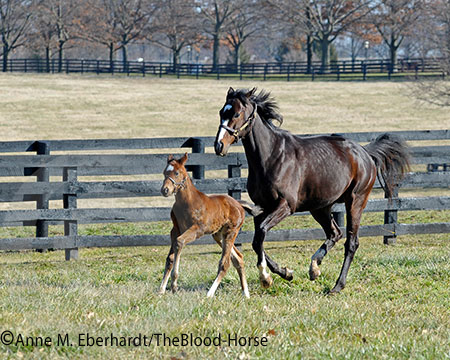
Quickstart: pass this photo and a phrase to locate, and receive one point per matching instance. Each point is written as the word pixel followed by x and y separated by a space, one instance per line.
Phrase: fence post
pixel 265 72
pixel 198 147
pixel 160 70
pixel 289 73
pixel 70 202
pixel 42 201
pixel 143 69
pixel 390 217
pixel 234 171
pixel 364 72
pixel 218 72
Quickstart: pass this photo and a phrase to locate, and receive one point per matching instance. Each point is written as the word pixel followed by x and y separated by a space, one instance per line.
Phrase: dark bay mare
pixel 289 173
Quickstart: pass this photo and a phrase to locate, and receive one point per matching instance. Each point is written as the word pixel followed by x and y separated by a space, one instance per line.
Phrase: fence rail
pixel 67 167
pixel 338 70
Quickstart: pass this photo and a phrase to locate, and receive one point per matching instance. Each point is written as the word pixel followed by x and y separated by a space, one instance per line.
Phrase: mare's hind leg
pixel 354 207
pixel 333 234
pixel 224 263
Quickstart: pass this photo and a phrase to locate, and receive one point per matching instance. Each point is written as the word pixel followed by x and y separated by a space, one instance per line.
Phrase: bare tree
pixel 115 24
pixel 323 20
pixel 177 26
pixel 245 23
pixel 394 20
pixel 216 16
pixel 437 22
pixel 15 21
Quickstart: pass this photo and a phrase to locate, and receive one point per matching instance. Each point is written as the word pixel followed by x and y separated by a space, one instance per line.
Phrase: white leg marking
pixel 263 268
pixel 213 289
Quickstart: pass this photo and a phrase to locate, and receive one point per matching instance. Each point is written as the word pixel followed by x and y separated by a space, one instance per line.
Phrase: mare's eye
pixel 236 115
pixel 177 173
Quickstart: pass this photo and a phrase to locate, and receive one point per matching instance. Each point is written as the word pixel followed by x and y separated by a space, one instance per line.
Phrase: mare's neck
pixel 259 144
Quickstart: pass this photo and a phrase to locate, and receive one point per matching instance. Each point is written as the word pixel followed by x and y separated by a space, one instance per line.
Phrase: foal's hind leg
pixel 224 263
pixel 238 262
pixel 333 234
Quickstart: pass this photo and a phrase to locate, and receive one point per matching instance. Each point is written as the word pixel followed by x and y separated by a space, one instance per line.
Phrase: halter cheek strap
pixel 236 132
pixel 178 186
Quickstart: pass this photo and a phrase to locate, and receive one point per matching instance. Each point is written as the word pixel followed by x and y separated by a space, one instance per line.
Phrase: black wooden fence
pixel 38 159
pixel 338 70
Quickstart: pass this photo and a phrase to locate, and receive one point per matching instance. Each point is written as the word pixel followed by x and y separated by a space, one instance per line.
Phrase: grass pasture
pixel 395 305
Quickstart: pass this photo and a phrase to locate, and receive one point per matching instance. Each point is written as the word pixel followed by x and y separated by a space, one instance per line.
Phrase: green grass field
pixel 395 305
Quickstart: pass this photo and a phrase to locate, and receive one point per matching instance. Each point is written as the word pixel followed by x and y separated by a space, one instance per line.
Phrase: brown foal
pixel 195 214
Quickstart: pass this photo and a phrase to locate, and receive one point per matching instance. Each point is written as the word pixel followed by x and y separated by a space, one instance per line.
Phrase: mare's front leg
pixel 188 236
pixel 263 224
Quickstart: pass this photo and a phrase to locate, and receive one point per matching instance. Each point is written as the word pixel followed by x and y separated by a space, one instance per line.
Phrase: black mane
pixel 268 109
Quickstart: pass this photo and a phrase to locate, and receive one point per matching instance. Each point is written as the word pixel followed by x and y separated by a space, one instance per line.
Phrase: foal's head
pixel 175 175
pixel 235 118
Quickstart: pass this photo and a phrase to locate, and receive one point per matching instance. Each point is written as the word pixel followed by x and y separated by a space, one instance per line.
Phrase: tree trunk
pixel 111 57
pixel 393 54
pixel 125 58
pixel 60 55
pixel 47 58
pixel 309 54
pixel 175 59
pixel 5 58
pixel 216 50
pixel 325 45
pixel 237 56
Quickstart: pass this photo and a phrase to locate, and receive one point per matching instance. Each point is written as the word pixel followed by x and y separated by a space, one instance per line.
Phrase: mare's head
pixel 235 118
pixel 175 175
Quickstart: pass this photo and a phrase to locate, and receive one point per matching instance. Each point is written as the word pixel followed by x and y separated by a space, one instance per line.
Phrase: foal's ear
pixel 169 158
pixel 184 159
pixel 251 93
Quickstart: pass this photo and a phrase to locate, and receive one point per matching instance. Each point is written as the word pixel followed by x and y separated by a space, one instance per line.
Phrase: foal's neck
pixel 186 193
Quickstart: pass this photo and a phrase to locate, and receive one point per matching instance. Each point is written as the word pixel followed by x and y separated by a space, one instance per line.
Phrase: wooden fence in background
pixel 337 70
pixel 38 159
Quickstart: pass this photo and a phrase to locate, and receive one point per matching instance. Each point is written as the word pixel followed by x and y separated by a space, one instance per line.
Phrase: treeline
pixel 307 28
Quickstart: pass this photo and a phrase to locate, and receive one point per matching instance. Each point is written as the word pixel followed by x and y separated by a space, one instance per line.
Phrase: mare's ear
pixel 184 159
pixel 251 93
pixel 169 158
pixel 230 91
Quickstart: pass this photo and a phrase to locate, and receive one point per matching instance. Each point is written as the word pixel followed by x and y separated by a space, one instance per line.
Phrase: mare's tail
pixel 392 158
pixel 253 210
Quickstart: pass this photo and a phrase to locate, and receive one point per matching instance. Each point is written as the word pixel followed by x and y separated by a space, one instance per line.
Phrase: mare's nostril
pixel 219 147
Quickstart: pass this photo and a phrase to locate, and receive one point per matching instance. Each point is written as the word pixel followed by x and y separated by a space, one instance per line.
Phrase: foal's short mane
pixel 268 109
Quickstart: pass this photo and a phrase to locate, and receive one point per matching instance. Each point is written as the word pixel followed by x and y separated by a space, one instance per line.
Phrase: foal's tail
pixel 392 158
pixel 253 210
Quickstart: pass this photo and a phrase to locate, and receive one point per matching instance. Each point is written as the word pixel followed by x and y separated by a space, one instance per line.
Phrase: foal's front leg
pixel 169 260
pixel 188 236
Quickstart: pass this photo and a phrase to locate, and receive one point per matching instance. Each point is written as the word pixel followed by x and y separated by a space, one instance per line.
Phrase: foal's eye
pixel 236 115
pixel 177 173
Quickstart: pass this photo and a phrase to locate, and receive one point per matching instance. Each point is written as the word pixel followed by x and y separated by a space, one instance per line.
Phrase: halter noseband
pixel 236 132
pixel 178 186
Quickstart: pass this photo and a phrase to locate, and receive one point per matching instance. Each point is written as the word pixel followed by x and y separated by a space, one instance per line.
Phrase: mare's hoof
pixel 289 274
pixel 336 290
pixel 174 289
pixel 314 271
pixel 266 282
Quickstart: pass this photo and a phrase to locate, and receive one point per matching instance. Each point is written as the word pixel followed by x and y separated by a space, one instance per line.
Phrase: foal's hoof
pixel 314 271
pixel 266 282
pixel 289 274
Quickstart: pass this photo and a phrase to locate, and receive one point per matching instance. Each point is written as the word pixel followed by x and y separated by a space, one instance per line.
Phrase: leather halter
pixel 236 132
pixel 178 186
